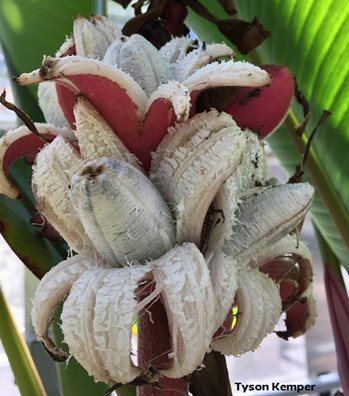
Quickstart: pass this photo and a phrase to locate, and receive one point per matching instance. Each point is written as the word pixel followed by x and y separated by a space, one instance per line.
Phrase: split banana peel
pixel 146 189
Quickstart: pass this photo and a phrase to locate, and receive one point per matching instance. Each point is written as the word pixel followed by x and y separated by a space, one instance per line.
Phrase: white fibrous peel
pixel 191 165
pixel 140 59
pixel 92 38
pixel 263 217
pixel 54 167
pixel 175 50
pixel 198 58
pixel 163 204
pixel 248 175
pixel 224 276
pixel 48 102
pixel 188 297
pixel 122 212
pixel 175 93
pixel 97 319
pixel 259 310
pixel 53 288
pixel 227 74
pixel 290 244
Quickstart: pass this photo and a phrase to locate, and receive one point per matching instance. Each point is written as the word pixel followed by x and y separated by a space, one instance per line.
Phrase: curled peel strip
pixel 265 216
pixel 227 74
pixel 97 319
pixel 128 111
pixel 259 310
pixel 288 262
pixel 52 173
pixel 67 48
pixel 52 289
pixel 188 297
pixel 198 58
pixel 290 244
pixel 174 93
pixel 224 277
pixel 67 67
pixel 192 163
pixel 251 172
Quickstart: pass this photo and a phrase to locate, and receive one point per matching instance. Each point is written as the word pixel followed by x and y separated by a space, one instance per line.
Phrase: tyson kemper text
pixel 274 386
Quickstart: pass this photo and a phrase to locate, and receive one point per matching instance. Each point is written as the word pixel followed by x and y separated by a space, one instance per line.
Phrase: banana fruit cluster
pixel 204 226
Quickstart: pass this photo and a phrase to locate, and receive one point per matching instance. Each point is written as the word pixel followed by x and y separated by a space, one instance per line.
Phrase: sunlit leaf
pixel 30 29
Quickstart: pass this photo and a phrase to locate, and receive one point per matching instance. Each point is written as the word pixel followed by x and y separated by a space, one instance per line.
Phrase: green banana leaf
pixel 310 38
pixel 31 29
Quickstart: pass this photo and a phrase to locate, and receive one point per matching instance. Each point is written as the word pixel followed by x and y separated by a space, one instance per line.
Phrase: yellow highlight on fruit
pixel 134 327
pixel 234 311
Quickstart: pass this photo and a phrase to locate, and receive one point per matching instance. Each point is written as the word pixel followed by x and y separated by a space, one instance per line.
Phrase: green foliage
pixel 21 362
pixel 36 252
pixel 30 29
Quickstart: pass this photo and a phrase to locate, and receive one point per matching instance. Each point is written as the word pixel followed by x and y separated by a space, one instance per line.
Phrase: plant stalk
pixel 23 367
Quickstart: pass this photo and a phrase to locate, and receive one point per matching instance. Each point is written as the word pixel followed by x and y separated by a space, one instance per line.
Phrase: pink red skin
pixel 296 320
pixel 70 51
pixel 265 112
pixel 261 114
pixel 293 280
pixel 115 106
pixel 27 146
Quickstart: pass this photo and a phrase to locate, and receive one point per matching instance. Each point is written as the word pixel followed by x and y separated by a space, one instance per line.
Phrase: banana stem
pixel 154 346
